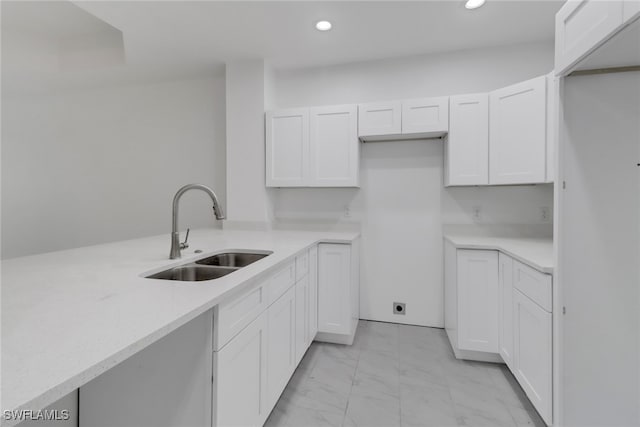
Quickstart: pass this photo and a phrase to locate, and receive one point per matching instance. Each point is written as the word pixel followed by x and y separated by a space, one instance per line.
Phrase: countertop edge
pixel 493 246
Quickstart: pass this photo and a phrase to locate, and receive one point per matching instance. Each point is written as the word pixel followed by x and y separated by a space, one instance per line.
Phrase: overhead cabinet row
pixel 496 138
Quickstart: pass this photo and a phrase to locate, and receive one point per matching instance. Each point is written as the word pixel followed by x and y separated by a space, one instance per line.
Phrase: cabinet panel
pixel 379 119
pixel 281 360
pixel 166 384
pixel 478 300
pixel 533 284
pixel 313 293
pixel 505 308
pixel 467 145
pixel 241 392
pixel 582 26
pixel 334 146
pixel 428 116
pixel 302 317
pixel 287 148
pixel 517 133
pixel 533 353
pixel 334 300
pixel 302 265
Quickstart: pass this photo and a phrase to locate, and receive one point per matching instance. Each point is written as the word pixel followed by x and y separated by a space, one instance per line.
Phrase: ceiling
pixel 154 40
pixel 282 32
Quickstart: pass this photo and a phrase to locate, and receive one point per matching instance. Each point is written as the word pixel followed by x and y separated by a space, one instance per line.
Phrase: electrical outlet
pixel 347 211
pixel 545 214
pixel 399 308
pixel 476 213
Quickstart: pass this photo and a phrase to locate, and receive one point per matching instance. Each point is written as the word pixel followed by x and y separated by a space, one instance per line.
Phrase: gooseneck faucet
pixel 176 246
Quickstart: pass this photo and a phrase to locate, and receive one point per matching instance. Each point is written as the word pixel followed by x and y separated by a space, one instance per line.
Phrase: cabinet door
pixel 287 148
pixel 334 147
pixel 505 308
pixel 581 26
pixel 241 378
pixel 478 300
pixel 334 302
pixel 379 119
pixel 426 117
pixel 533 352
pixel 313 293
pixel 281 358
pixel 302 317
pixel 467 145
pixel 517 133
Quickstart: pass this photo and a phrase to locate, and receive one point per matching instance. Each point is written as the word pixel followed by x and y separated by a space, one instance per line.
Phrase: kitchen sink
pixel 233 259
pixel 211 267
pixel 192 273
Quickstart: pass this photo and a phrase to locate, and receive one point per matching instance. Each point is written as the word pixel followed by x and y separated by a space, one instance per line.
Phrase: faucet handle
pixel 185 245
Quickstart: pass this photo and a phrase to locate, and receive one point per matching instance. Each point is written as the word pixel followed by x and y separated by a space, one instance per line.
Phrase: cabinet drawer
pixel 379 119
pixel 302 265
pixel 234 315
pixel 281 281
pixel 533 284
pixel 425 116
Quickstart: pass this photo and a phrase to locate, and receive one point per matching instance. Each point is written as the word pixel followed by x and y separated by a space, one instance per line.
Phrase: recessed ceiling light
pixel 323 25
pixel 474 4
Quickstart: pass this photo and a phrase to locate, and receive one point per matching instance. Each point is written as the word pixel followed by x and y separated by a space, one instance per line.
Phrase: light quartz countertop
pixel 535 252
pixel 69 316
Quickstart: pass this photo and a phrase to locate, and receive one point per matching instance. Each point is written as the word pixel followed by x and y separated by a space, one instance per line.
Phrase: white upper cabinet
pixel 581 26
pixel 379 120
pixel 334 146
pixel 517 133
pixel 467 145
pixel 315 147
pixel 287 148
pixel 425 117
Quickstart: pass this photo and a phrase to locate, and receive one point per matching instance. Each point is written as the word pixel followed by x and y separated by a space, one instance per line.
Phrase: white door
pixel 581 26
pixel 505 308
pixel 334 304
pixel 478 300
pixel 467 145
pixel 426 116
pixel 533 352
pixel 302 317
pixel 281 359
pixel 287 148
pixel 517 133
pixel 313 293
pixel 241 392
pixel 334 146
pixel 379 119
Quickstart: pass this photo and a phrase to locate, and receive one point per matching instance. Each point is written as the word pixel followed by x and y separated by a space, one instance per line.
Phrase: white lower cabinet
pixel 338 292
pixel 240 378
pixel 478 300
pixel 281 347
pixel 505 308
pixel 533 352
pixel 313 292
pixel 499 309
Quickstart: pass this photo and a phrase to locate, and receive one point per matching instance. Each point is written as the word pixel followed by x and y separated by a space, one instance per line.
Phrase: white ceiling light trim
pixel 474 4
pixel 323 25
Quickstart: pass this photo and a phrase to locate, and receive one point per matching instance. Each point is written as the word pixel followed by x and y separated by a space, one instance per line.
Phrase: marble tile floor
pixel 399 375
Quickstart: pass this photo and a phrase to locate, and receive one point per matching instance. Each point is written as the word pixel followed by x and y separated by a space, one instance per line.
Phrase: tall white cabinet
pixel 312 147
pixel 518 132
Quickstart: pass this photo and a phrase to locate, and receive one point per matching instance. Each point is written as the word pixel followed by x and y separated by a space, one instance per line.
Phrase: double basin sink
pixel 211 267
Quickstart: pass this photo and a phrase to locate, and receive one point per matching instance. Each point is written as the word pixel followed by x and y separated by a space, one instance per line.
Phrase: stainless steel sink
pixel 211 267
pixel 192 273
pixel 232 259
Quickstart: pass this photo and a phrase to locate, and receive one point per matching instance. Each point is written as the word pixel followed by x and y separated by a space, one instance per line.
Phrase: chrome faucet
pixel 176 246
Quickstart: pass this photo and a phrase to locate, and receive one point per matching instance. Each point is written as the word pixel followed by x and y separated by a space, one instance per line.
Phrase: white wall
pixel 82 167
pixel 402 204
